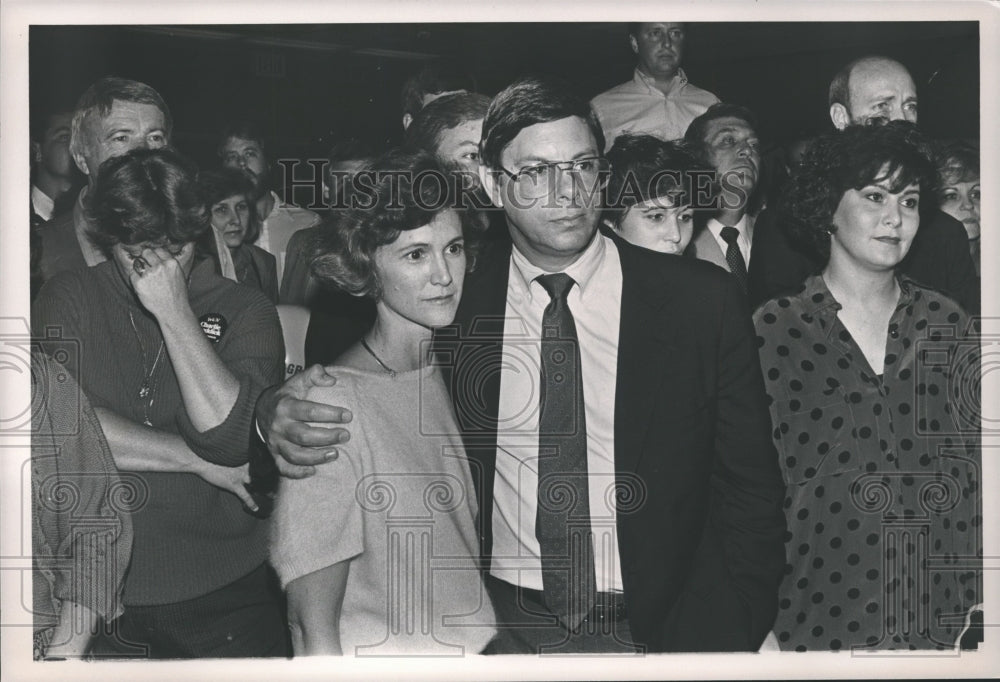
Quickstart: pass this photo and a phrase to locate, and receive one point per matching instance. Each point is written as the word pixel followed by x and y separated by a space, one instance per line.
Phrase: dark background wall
pixel 304 82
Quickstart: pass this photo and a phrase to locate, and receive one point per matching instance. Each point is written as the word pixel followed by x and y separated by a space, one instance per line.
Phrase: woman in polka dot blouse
pixel 873 381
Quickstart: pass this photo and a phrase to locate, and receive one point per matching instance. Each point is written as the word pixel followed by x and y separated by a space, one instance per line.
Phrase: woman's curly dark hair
pixel 146 196
pixel 400 190
pixel 852 159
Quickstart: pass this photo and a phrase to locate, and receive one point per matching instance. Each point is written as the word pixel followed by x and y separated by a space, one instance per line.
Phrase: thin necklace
pixel 387 368
pixel 144 389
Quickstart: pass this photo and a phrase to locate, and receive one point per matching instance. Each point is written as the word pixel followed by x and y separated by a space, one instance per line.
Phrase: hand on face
pixel 158 277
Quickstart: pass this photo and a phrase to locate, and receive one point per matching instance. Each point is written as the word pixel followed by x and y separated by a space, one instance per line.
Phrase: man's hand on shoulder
pixel 283 415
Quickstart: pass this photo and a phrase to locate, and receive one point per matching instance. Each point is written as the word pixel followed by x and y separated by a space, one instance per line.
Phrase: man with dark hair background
pixel 241 146
pixel 725 137
pixel 450 127
pixel 432 81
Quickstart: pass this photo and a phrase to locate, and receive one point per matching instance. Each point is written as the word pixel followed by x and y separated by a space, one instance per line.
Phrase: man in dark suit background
pixel 613 413
pixel 725 137
pixel 869 91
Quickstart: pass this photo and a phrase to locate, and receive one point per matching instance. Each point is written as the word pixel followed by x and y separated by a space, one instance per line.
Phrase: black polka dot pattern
pixel 861 452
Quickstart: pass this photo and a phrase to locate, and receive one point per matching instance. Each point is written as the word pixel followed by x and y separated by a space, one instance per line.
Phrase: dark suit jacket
pixel 259 269
pixel 939 259
pixel 60 249
pixel 704 247
pixel 700 522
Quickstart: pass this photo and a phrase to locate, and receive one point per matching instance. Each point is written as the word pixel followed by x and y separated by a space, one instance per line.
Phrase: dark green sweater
pixel 190 537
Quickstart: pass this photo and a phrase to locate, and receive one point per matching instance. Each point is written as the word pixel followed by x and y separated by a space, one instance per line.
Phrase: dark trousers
pixel 246 618
pixel 526 626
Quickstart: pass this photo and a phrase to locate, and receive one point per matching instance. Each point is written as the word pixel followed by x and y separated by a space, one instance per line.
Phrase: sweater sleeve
pixel 55 318
pixel 80 502
pixel 253 350
pixel 317 520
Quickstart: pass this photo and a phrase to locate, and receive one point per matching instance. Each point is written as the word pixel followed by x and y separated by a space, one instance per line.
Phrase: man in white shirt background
pixel 659 100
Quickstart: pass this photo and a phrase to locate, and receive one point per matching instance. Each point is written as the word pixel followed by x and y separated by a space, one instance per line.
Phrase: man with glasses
pixel 612 410
pixel 873 90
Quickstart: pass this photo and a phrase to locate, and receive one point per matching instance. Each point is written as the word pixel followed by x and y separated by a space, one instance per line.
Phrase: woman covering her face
pixel 873 381
pixel 173 358
pixel 229 195
pixel 378 550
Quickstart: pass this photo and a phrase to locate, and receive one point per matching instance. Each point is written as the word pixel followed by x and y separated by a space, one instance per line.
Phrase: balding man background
pixel 870 91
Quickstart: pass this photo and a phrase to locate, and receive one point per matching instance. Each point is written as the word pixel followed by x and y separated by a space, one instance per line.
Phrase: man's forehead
pixel 124 115
pixel 58 123
pixel 567 137
pixel 661 24
pixel 127 109
pixel 871 75
pixel 240 143
pixel 466 131
pixel 729 124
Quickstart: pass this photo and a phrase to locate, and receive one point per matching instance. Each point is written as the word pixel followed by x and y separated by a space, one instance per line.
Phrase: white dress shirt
pixel 42 203
pixel 638 106
pixel 595 302
pixel 744 241
pixel 278 227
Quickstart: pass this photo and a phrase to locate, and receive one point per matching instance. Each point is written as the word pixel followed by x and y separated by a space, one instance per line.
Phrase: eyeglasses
pixel 536 181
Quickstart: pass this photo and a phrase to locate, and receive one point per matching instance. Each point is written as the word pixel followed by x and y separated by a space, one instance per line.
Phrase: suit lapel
pixel 645 351
pixel 706 248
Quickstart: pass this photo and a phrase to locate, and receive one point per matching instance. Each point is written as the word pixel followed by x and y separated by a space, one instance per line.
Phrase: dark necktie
pixel 562 525
pixel 734 258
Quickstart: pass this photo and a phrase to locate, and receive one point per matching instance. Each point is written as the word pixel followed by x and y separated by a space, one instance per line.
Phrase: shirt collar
pixel 680 78
pixel 742 227
pixel 583 270
pixel 80 212
pixel 42 203
pixel 818 299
